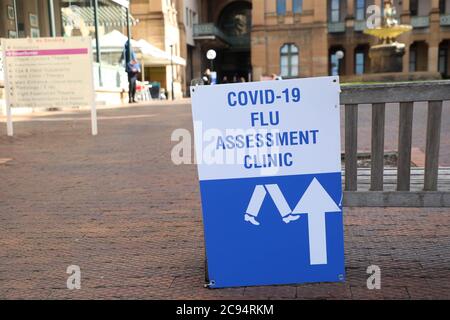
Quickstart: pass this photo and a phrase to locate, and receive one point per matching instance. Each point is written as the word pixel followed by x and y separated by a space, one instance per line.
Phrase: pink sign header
pixel 49 52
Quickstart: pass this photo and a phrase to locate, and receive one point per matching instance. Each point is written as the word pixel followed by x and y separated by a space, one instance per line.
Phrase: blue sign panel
pixel 268 157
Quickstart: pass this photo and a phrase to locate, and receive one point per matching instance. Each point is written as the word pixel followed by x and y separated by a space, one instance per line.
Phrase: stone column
pixel 320 11
pixel 434 37
pixel 258 13
pixel 288 6
pixel 349 60
pixel 406 57
pixel 258 54
pixel 433 57
pixel 319 52
pixel 406 14
pixel 434 5
pixel 350 9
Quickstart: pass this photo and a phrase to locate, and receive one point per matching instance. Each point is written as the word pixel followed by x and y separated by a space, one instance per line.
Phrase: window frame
pixel 297 6
pixel 363 53
pixel 358 10
pixel 292 51
pixel 412 61
pixel 335 10
pixel 281 7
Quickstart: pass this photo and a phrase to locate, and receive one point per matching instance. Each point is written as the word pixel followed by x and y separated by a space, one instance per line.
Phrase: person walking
pixel 132 68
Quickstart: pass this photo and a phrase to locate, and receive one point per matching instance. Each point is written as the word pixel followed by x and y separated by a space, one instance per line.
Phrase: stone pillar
pixel 405 6
pixel 349 60
pixel 434 5
pixel 405 17
pixel 319 52
pixel 258 54
pixel 271 6
pixel 433 57
pixel 434 38
pixel 406 57
pixel 258 13
pixel 320 11
pixel 288 6
pixel 435 15
pixel 350 9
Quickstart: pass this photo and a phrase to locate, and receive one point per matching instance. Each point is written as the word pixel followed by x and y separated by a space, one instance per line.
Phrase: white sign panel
pixel 2 73
pixel 49 73
pixel 269 165
pixel 285 117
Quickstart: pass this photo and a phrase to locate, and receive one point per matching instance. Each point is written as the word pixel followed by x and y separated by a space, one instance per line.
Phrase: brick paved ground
pixel 116 206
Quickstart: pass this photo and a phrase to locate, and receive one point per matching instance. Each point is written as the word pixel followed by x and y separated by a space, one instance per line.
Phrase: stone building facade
pixel 300 38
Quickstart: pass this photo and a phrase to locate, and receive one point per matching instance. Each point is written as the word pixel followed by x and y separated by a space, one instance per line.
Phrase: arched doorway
pixel 418 56
pixel 335 63
pixel 444 59
pixel 234 61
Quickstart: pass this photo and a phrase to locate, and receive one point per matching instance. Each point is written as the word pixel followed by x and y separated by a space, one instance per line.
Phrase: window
pixel 336 60
pixel 360 10
pixel 281 7
pixel 334 65
pixel 412 59
pixel 443 52
pixel 335 11
pixel 297 6
pixel 414 7
pixel 360 58
pixel 289 60
pixel 442 6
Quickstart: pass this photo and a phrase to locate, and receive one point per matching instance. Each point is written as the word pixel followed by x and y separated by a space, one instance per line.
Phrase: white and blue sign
pixel 269 165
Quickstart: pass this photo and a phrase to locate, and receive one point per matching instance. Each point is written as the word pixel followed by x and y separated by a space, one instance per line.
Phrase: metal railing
pixel 336 27
pixel 420 21
pixel 208 29
pixel 205 30
pixel 445 20
pixel 360 25
pixel 432 92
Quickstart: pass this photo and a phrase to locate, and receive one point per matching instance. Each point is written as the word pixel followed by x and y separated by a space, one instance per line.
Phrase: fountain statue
pixel 387 55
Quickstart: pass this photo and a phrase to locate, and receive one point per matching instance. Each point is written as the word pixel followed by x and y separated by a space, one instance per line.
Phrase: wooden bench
pixel 402 186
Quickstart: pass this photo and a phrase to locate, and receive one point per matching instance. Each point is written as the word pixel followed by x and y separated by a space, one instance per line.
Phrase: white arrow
pixel 315 202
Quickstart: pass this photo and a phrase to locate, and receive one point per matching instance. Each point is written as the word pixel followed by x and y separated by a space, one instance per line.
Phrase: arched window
pixel 289 60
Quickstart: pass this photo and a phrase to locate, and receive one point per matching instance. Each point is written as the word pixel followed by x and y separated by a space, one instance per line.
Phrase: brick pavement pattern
pixel 116 206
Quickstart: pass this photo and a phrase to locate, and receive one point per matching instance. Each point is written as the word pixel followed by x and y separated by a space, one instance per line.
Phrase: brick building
pixel 300 38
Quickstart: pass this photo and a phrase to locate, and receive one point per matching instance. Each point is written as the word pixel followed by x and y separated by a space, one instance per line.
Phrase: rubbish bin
pixel 155 90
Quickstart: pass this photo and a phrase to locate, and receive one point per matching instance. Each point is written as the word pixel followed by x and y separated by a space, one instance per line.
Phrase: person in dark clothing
pixel 207 77
pixel 132 67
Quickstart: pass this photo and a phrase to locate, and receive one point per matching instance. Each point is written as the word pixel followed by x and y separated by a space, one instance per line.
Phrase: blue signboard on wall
pixel 268 157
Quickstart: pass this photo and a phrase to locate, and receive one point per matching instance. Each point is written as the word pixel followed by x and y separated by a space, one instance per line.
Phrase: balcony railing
pixel 360 25
pixel 210 30
pixel 336 27
pixel 420 21
pixel 445 20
